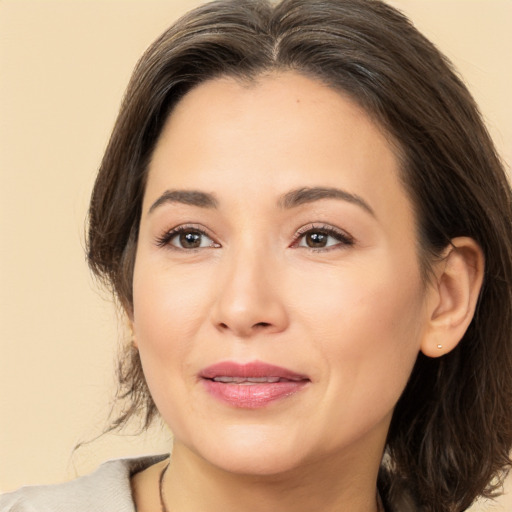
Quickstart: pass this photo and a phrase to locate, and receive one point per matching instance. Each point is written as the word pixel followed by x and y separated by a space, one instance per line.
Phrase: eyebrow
pixel 289 200
pixel 190 197
pixel 301 196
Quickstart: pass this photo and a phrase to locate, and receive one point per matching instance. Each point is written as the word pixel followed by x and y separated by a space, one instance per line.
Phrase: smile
pixel 251 386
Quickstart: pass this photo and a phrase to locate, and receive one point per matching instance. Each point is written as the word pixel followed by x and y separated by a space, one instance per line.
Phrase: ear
pixel 453 296
pixel 133 338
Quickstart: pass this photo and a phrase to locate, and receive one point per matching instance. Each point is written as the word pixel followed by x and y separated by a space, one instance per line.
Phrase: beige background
pixel 63 68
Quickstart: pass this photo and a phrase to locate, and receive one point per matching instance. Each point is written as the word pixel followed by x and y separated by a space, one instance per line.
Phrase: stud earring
pixel 439 346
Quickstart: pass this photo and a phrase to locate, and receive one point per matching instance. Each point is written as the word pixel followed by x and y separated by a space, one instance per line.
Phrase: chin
pixel 250 451
pixel 259 463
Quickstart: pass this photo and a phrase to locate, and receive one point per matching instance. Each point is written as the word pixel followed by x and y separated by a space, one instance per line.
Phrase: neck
pixel 333 484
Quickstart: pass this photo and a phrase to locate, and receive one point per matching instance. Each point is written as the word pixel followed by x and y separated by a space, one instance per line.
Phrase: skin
pixel 352 316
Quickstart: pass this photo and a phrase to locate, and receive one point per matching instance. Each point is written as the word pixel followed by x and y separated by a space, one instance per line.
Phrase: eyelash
pixel 342 237
pixel 165 239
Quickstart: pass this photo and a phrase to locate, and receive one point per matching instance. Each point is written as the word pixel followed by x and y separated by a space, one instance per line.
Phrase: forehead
pixel 283 130
pixel 274 105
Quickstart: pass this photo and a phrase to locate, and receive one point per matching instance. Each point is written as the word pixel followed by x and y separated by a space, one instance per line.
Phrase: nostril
pixel 241 330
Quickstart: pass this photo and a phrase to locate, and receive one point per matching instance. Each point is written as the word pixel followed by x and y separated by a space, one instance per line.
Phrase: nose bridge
pixel 249 298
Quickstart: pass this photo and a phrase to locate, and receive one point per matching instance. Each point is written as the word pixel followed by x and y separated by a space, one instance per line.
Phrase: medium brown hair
pixel 451 431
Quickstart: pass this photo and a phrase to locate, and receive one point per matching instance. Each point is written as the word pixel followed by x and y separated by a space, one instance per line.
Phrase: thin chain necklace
pixel 163 508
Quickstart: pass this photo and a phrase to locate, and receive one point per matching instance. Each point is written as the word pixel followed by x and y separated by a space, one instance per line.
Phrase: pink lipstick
pixel 251 385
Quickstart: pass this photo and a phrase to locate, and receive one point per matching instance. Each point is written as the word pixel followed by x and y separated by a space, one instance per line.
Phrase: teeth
pixel 248 380
pixel 263 379
pixel 229 379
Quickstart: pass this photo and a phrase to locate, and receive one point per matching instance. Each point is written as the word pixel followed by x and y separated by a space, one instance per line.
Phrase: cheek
pixel 168 307
pixel 365 331
pixel 168 303
pixel 384 298
pixel 366 323
pixel 163 320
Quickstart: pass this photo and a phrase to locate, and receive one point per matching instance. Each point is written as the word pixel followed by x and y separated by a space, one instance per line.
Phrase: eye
pixel 323 238
pixel 190 240
pixel 185 238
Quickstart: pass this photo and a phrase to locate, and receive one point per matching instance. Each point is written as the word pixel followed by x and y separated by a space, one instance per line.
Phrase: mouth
pixel 247 381
pixel 251 385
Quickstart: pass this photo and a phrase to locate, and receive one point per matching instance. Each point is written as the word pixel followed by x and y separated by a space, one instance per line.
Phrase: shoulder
pixel 106 490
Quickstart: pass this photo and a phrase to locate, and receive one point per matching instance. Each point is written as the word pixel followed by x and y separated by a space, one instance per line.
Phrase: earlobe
pixel 453 296
pixel 133 338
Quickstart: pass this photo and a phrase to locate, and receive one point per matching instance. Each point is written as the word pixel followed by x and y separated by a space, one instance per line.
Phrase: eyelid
pixel 165 238
pixel 345 239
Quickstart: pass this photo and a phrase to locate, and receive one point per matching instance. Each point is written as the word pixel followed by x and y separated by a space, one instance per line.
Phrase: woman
pixel 309 229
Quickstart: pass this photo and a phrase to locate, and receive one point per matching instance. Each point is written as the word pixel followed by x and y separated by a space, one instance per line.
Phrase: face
pixel 278 303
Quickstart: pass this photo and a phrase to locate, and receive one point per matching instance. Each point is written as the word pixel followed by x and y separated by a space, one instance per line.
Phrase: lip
pixel 237 390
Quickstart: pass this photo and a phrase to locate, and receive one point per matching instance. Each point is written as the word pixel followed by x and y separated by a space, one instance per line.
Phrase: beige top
pixel 108 489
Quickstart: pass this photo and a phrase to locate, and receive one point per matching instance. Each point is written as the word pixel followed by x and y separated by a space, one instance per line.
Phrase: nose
pixel 250 297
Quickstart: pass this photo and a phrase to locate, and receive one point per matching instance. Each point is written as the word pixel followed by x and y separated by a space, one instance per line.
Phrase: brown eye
pixel 190 240
pixel 324 238
pixel 187 239
pixel 316 239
